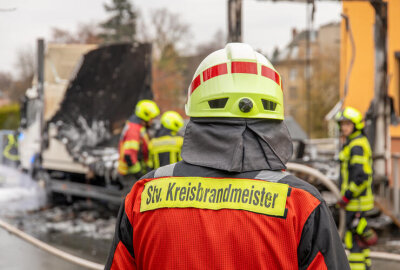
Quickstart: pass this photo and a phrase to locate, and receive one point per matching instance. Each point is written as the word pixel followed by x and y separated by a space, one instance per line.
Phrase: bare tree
pixel 25 63
pixel 168 34
pixel 6 81
pixel 63 36
pixel 169 30
pixel 89 33
pixel 143 31
pixel 217 42
pixel 25 70
pixel 86 33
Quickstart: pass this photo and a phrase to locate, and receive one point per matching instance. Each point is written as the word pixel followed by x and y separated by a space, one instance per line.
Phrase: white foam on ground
pixel 19 192
pixel 15 194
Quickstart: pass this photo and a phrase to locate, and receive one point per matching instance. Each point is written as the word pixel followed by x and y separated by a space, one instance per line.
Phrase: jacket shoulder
pixel 359 141
pixel 148 175
pixel 298 183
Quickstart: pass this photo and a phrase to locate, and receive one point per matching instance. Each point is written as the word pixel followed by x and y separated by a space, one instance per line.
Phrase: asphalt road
pixel 18 255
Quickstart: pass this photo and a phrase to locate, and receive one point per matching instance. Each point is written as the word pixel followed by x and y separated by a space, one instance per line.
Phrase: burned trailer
pixel 79 118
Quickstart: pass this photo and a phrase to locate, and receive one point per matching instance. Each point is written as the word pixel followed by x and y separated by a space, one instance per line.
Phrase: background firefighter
pixel 166 144
pixel 134 142
pixel 355 185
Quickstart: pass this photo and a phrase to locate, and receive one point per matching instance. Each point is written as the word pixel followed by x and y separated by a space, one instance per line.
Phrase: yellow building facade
pixel 361 81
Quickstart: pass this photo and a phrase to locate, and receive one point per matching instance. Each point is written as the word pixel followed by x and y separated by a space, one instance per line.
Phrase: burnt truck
pixel 72 117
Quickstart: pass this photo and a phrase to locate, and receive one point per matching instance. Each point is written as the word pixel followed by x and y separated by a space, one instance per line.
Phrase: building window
pixel 295 52
pixel 293 74
pixel 293 92
pixel 309 53
pixel 308 72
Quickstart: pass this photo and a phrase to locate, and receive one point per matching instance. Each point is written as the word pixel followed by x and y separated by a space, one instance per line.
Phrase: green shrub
pixel 9 116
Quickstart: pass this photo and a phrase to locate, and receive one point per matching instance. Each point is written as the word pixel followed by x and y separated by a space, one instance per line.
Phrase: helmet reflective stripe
pixel 271 74
pixel 235 82
pixel 195 83
pixel 237 67
pixel 244 67
pixel 215 71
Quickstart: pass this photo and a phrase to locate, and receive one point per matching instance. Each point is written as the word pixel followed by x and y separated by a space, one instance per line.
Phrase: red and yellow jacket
pixel 183 216
pixel 133 148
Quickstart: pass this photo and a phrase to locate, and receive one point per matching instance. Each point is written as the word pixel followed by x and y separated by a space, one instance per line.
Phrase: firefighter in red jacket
pixel 229 204
pixel 133 145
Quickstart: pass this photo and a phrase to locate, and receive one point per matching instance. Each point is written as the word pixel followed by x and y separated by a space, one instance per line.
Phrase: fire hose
pixel 296 167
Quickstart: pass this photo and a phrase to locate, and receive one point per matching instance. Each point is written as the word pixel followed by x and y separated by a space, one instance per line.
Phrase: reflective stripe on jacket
pixel 183 216
pixel 165 150
pixel 356 173
pixel 133 145
pixel 11 150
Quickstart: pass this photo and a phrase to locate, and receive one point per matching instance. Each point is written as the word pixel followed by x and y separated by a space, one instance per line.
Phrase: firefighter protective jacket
pixel 356 173
pixel 185 216
pixel 165 148
pixel 133 147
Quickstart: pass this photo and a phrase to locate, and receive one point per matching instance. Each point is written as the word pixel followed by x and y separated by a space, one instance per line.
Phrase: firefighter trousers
pixel 356 226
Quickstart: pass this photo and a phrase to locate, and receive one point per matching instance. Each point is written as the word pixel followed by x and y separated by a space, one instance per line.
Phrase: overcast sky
pixel 265 24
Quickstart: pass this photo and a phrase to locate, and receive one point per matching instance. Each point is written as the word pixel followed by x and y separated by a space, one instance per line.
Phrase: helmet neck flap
pixel 237 144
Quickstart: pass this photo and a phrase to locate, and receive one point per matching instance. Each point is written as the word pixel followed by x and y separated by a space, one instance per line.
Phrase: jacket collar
pixel 354 135
pixel 135 119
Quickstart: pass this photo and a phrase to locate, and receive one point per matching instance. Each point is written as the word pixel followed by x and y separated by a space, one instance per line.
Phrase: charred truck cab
pixel 73 115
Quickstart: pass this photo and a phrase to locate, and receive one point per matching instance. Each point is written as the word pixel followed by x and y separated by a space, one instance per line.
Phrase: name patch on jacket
pixel 262 197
